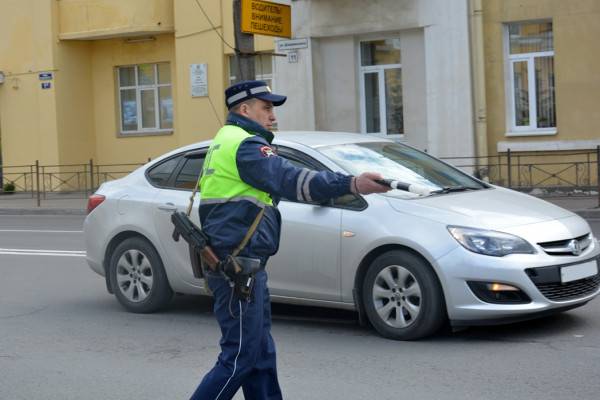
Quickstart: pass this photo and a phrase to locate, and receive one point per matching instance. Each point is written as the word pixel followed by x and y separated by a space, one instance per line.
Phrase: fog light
pixel 498 293
pixel 501 287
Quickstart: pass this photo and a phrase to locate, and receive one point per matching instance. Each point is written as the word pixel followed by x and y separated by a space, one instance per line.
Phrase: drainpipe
pixel 478 85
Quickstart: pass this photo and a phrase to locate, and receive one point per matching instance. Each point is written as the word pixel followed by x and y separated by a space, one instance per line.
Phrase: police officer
pixel 242 175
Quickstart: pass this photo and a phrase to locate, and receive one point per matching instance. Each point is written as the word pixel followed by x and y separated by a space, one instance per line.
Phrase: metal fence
pixel 574 173
pixel 70 180
pixel 556 173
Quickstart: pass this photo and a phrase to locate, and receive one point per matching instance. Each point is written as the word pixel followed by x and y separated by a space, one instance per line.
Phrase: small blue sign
pixel 45 76
pixel 46 85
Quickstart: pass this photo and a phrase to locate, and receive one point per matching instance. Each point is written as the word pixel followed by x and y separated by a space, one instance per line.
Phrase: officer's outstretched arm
pixel 260 167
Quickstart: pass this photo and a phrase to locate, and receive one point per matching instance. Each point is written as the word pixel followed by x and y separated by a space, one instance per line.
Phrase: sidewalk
pixel 75 204
pixel 54 204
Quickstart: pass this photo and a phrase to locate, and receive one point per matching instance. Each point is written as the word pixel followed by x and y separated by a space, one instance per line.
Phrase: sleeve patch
pixel 267 151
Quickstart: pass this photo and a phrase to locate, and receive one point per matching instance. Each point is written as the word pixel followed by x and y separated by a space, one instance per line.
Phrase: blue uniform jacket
pixel 226 224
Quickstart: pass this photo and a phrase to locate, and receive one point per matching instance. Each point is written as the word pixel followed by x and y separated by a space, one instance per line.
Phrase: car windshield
pixel 402 163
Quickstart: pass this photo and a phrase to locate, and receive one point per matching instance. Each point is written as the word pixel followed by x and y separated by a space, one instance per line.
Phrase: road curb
pixel 42 211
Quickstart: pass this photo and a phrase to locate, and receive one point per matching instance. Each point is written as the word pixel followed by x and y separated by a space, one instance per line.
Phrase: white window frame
pixel 138 99
pixel 380 70
pixel 257 76
pixel 511 59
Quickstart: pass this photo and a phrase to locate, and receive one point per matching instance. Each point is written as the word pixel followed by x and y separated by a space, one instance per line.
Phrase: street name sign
pixel 294 44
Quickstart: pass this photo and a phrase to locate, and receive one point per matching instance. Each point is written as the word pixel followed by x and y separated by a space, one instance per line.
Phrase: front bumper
pixel 465 308
pixel 510 320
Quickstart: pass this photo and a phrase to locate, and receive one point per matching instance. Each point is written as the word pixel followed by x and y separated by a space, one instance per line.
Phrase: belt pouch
pixel 248 265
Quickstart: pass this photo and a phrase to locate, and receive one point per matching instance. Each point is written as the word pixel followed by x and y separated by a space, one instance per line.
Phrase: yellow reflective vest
pixel 220 181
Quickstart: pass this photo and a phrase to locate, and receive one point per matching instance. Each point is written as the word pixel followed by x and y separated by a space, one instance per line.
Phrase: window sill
pixel 547 145
pixel 392 136
pixel 537 132
pixel 163 132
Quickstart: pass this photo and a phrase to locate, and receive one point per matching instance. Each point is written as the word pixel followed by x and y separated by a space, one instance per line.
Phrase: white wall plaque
pixel 198 80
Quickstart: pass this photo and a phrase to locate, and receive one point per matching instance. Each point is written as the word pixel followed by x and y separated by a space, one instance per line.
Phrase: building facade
pixel 542 65
pixel 397 68
pixel 109 80
pixel 122 81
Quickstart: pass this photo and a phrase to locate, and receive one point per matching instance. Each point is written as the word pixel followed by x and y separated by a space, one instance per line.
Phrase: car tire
pixel 402 296
pixel 138 278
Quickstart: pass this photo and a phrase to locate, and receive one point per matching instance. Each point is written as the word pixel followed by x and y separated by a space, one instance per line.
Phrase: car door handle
pixel 168 207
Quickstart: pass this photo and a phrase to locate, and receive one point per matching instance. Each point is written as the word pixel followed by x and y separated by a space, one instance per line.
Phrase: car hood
pixel 494 208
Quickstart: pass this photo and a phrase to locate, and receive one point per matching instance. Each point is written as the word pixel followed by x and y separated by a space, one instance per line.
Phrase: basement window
pixel 145 99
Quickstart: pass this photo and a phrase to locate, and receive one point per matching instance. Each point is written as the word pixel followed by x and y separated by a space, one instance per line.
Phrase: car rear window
pixel 159 174
pixel 188 175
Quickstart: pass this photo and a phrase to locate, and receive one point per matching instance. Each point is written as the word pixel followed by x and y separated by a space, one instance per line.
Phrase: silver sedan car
pixel 468 252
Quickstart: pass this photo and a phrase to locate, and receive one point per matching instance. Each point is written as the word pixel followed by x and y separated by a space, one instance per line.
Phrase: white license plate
pixel 579 271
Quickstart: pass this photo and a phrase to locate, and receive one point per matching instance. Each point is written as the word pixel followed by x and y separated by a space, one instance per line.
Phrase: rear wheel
pixel 402 296
pixel 138 277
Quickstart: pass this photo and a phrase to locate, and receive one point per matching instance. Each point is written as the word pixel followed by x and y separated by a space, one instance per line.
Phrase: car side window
pixel 187 177
pixel 297 163
pixel 159 174
pixel 300 160
pixel 350 201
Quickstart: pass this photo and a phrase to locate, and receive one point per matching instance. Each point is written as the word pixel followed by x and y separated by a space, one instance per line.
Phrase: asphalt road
pixel 63 337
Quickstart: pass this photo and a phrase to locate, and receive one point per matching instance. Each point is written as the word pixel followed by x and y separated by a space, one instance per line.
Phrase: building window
pixel 532 105
pixel 145 98
pixel 381 87
pixel 263 69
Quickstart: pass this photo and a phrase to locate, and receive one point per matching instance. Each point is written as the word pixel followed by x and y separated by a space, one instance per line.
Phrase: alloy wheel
pixel 134 275
pixel 397 296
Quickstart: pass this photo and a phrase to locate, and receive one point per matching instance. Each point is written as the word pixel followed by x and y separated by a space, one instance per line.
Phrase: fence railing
pixel 550 173
pixel 575 173
pixel 77 180
pixel 21 176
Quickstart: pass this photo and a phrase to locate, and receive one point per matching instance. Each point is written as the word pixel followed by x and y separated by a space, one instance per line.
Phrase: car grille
pixel 548 281
pixel 571 290
pixel 568 247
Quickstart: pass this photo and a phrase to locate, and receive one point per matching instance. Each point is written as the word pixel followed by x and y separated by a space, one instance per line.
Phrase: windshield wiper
pixel 453 189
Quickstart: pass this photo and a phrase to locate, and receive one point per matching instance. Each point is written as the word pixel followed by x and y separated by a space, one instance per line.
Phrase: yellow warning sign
pixel 266 18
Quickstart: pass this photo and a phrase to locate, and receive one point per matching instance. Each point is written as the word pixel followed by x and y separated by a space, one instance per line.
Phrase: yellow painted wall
pixel 87 19
pixel 197 43
pixel 196 119
pixel 106 56
pixel 576 61
pixel 74 102
pixel 27 113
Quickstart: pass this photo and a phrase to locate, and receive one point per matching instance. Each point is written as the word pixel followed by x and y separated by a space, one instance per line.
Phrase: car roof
pixel 313 139
pixel 316 139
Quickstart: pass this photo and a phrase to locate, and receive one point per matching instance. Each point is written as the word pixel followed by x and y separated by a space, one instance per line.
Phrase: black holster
pixel 241 271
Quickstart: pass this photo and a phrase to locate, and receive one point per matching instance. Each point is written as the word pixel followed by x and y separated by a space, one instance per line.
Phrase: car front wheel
pixel 138 277
pixel 402 296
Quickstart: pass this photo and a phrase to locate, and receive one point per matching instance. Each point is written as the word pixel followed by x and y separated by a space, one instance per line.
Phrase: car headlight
pixel 490 243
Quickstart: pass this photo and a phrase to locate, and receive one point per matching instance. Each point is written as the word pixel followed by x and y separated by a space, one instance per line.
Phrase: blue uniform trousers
pixel 247 356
